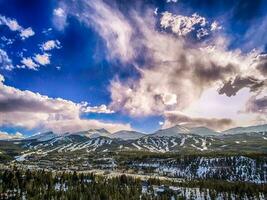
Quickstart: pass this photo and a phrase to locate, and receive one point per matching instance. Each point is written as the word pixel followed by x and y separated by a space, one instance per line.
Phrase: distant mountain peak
pixel 43 136
pixel 179 130
pixel 93 133
pixel 127 135
pixel 247 129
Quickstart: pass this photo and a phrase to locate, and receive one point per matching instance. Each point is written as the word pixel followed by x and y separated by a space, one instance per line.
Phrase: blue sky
pixel 141 65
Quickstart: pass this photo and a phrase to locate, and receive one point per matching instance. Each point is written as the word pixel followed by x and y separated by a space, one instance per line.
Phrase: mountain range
pixel 98 141
pixel 175 131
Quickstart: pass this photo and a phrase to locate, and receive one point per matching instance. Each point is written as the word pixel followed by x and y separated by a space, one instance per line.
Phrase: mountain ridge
pixel 175 131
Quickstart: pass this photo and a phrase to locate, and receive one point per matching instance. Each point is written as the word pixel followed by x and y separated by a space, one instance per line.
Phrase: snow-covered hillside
pixel 43 136
pixel 177 131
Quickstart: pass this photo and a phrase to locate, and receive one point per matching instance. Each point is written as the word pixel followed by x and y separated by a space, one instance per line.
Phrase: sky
pixel 74 65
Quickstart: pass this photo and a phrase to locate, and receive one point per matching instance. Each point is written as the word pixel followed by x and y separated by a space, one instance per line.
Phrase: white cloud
pixel 215 26
pixel 29 63
pixel 183 25
pixel 172 1
pixel 8 136
pixel 175 75
pixel 59 12
pixel 96 109
pixel 25 33
pixel 60 18
pixel 50 44
pixel 13 25
pixel 5 61
pixel 42 59
pixel 161 123
pixel 35 111
pixel 174 72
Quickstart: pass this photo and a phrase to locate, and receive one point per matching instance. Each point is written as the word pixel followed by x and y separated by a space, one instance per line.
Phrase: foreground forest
pixel 32 184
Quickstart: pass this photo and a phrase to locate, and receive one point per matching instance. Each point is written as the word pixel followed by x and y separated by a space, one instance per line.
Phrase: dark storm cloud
pixel 24 105
pixel 213 72
pixel 257 105
pixel 174 118
pixel 262 64
pixel 231 87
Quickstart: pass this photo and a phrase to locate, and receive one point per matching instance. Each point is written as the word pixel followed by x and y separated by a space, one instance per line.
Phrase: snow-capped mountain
pixel 93 133
pixel 127 135
pixel 41 137
pixel 203 131
pixel 177 131
pixel 249 129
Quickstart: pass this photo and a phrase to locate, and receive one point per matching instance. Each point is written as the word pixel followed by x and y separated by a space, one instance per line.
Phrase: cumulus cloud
pixel 13 25
pixel 33 110
pixel 25 33
pixel 175 75
pixel 50 44
pixel 42 59
pixel 29 63
pixel 184 25
pixel 7 136
pixel 5 61
pixel 96 109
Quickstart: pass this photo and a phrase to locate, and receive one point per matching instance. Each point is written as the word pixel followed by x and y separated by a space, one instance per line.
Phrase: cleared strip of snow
pixel 23 157
pixel 173 143
pixel 138 147
pixel 196 147
pixel 196 141
pixel 204 144
pixel 183 141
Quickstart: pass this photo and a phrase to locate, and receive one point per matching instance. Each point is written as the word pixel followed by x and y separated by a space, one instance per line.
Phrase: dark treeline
pixel 16 184
pixel 33 184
